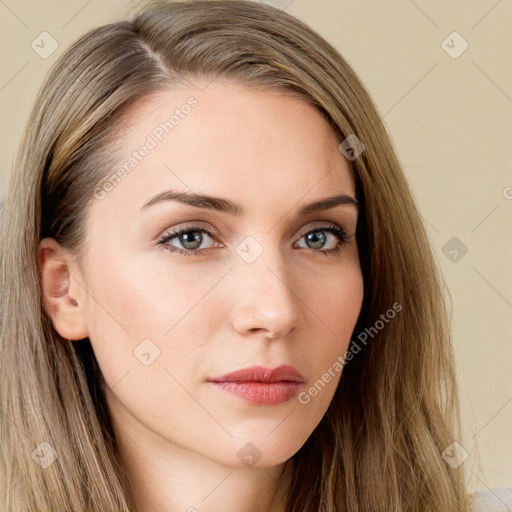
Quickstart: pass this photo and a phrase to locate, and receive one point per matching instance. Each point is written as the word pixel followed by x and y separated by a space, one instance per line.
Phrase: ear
pixel 63 295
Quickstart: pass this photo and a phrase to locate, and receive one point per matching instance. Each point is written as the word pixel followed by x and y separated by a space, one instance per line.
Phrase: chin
pixel 259 452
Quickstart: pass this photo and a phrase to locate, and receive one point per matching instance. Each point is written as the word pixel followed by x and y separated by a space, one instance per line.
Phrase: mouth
pixel 260 385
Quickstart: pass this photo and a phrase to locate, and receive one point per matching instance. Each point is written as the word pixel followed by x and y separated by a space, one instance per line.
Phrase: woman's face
pixel 264 285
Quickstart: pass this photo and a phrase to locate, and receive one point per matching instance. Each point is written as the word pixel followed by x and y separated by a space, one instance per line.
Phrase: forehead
pixel 258 147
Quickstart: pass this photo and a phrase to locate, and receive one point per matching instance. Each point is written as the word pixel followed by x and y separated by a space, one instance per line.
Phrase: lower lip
pixel 261 393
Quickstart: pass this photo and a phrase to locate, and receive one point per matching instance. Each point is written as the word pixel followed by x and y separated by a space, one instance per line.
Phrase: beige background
pixel 451 122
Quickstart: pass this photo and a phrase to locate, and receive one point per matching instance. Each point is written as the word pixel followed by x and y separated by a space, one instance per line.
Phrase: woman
pixel 217 292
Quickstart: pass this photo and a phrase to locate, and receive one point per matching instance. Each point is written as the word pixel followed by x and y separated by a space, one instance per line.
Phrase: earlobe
pixel 62 295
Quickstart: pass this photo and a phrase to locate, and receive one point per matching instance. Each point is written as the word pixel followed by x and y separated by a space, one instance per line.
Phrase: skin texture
pixel 213 313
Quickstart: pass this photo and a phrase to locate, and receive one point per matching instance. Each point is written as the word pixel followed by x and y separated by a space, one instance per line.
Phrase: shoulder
pixel 492 500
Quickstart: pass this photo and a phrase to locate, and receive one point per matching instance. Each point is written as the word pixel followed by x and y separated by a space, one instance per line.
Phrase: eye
pixel 316 238
pixel 191 239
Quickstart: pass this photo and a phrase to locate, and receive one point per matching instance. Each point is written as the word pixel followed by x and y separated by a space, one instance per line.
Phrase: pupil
pixel 312 237
pixel 194 237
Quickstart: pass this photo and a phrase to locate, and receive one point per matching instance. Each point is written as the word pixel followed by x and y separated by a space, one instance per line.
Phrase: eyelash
pixel 342 235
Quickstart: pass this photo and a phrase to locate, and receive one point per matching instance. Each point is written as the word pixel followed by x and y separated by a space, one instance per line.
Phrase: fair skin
pixel 211 312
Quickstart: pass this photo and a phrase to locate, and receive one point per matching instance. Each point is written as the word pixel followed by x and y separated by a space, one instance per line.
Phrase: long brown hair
pixel 380 444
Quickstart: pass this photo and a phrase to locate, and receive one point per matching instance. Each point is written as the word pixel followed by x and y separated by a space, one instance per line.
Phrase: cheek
pixel 336 302
pixel 336 312
pixel 149 297
pixel 164 311
pixel 336 307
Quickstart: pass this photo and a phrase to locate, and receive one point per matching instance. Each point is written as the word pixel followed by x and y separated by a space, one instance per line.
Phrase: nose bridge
pixel 265 298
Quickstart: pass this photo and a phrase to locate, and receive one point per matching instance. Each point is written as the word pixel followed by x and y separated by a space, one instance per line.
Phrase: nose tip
pixel 272 334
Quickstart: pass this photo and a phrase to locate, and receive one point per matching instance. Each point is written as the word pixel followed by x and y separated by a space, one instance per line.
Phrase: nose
pixel 266 302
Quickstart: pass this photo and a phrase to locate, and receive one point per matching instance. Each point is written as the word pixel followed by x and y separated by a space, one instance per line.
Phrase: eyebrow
pixel 229 207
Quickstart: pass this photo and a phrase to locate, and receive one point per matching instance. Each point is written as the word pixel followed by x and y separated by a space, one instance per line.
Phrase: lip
pixel 260 385
pixel 262 374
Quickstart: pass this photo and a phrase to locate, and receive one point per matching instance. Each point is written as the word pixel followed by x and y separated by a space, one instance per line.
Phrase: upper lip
pixel 262 374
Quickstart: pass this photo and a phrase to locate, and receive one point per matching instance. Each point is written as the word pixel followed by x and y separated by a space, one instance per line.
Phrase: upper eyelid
pixel 307 229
